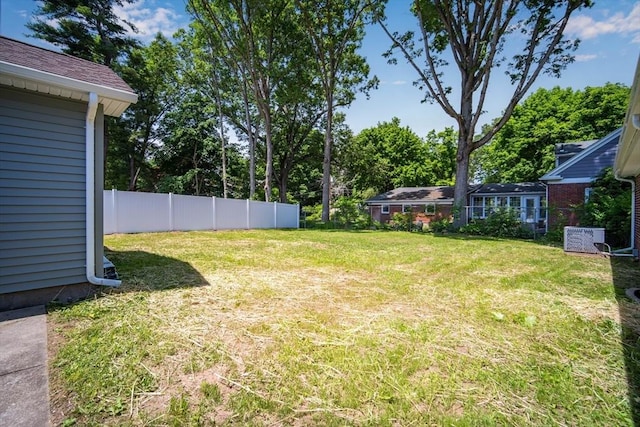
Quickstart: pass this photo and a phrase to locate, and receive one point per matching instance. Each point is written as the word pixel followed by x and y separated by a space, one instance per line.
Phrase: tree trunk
pixel 252 141
pixel 269 161
pixel 326 163
pixel 223 149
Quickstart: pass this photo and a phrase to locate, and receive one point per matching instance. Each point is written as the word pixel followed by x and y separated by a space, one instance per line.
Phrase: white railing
pixel 134 212
pixel 527 215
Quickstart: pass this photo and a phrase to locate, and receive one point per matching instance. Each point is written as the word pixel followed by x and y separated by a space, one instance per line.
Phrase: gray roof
pixel 37 58
pixel 415 194
pixel 567 150
pixel 519 188
pixel 589 163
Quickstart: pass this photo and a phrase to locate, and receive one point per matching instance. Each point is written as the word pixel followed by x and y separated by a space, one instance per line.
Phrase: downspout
pixel 631 248
pixel 90 253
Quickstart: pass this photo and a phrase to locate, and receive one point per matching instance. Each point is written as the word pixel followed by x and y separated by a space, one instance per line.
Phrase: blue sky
pixel 610 34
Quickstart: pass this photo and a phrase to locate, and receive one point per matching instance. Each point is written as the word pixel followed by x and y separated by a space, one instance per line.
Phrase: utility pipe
pixel 90 252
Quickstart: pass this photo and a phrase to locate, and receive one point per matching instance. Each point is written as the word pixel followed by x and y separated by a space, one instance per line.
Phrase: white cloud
pixel 23 13
pixel 585 58
pixel 586 27
pixel 150 20
pixel 399 82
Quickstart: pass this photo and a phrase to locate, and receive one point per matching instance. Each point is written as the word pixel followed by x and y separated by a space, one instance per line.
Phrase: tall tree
pixel 257 37
pixel 152 73
pixel 523 150
pixel 88 29
pixel 386 156
pixel 336 29
pixel 475 35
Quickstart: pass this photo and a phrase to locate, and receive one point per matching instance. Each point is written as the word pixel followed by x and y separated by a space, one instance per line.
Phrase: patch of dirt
pixel 157 403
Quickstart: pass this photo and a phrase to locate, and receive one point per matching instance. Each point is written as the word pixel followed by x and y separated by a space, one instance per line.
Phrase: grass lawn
pixel 349 328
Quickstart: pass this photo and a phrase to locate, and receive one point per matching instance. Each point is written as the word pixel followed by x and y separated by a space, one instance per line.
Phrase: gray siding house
pixel 52 109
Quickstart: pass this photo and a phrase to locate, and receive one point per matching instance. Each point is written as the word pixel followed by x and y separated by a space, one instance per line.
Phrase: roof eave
pixel 627 161
pixel 115 101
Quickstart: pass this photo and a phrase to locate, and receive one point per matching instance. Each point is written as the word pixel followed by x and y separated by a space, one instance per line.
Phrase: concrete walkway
pixel 24 384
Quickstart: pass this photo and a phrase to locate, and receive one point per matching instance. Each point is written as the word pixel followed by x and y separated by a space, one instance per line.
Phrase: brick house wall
pixel 562 199
pixel 442 211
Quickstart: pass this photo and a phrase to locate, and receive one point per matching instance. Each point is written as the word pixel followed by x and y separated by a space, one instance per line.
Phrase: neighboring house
pixel 527 198
pixel 569 184
pixel 426 203
pixel 433 203
pixel 52 109
pixel 627 162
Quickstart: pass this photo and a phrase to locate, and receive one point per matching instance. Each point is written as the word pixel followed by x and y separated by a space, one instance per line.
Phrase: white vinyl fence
pixel 133 212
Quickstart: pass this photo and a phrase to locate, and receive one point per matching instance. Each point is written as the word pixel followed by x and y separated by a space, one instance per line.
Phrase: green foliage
pixel 350 213
pixel 89 29
pixel 441 226
pixel 609 206
pixel 402 221
pixel 523 150
pixel 388 156
pixel 151 71
pixel 501 223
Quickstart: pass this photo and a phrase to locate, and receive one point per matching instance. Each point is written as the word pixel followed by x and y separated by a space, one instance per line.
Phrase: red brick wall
pixel 562 201
pixel 637 218
pixel 418 213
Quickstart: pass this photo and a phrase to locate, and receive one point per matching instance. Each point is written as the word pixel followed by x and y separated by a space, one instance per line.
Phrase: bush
pixel 609 207
pixel 402 221
pixel 501 223
pixel 441 226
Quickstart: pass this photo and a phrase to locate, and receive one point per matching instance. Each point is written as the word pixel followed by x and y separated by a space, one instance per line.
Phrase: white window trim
pixel 430 209
pixel 405 206
pixel 384 209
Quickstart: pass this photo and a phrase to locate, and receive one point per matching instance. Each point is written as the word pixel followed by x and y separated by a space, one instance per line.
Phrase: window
pixel 406 208
pixel 430 209
pixel 478 207
pixel 384 209
pixel 587 194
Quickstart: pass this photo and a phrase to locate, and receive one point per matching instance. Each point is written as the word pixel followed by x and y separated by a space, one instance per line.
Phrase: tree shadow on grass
pixel 626 275
pixel 144 271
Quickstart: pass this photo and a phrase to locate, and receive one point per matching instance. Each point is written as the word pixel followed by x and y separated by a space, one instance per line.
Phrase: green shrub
pixel 402 221
pixel 501 223
pixel 609 206
pixel 441 226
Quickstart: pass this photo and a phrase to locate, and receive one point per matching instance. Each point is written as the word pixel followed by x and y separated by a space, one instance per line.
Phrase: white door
pixel 530 208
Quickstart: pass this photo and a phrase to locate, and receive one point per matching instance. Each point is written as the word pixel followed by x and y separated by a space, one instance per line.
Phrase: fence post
pixel 298 216
pixel 248 214
pixel 215 225
pixel 275 214
pixel 114 210
pixel 170 211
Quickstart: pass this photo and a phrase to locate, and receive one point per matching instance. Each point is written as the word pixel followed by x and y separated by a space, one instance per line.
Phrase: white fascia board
pixel 32 76
pixel 571 181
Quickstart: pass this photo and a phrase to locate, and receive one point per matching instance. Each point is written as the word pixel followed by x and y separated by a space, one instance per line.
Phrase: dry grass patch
pixel 332 328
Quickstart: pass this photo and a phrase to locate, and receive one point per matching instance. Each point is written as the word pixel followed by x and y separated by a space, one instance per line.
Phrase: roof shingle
pixel 37 58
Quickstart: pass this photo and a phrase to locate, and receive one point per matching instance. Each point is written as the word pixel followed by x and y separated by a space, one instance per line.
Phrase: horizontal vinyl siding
pixel 594 163
pixel 42 191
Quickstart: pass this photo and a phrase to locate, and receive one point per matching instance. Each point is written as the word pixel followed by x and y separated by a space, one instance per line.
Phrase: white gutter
pixel 90 253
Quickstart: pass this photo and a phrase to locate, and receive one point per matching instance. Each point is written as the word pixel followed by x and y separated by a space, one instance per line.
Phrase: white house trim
pixel 114 101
